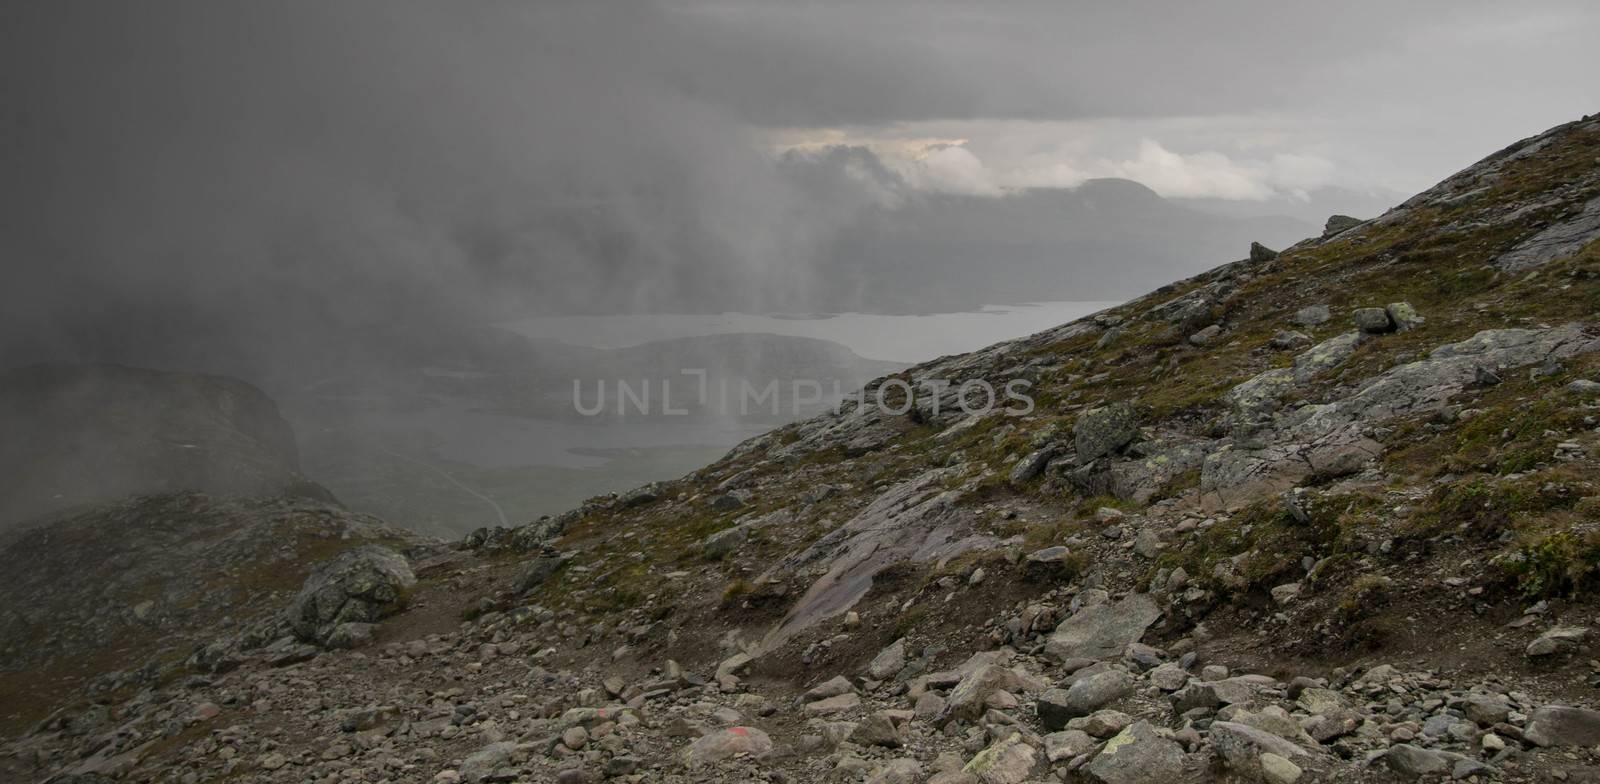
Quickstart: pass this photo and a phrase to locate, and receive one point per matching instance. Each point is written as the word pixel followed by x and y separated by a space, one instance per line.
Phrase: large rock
pixel 1415 762
pixel 1561 725
pixel 1311 315
pixel 1403 316
pixel 897 771
pixel 1006 761
pixel 1259 252
pixel 726 744
pixel 1339 224
pixel 967 699
pixel 1137 755
pixel 1372 320
pixel 539 571
pixel 889 661
pixel 1032 464
pixel 723 543
pixel 1105 630
pixel 1086 695
pixel 877 729
pixel 1101 431
pixel 363 585
pixel 1561 639
pixel 1241 747
pixel 483 763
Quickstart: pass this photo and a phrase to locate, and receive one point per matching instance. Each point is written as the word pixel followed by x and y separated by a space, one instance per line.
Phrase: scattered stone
pixel 832 705
pixel 1086 695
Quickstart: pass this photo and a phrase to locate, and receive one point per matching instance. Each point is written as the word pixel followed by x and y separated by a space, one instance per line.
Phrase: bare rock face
pixel 1561 239
pixel 363 585
pixel 916 520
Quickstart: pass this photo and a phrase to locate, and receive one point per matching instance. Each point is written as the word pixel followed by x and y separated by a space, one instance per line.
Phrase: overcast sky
pixel 261 165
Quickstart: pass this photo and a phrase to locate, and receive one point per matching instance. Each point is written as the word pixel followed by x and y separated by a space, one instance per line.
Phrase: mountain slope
pixel 77 434
pixel 1327 515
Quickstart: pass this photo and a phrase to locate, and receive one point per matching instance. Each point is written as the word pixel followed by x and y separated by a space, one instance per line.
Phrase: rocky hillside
pixel 78 434
pixel 1329 514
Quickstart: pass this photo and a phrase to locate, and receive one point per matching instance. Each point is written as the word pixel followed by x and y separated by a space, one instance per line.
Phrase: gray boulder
pixel 726 744
pixel 1086 695
pixel 1103 631
pixel 1311 315
pixel 1242 747
pixel 1339 224
pixel 1006 761
pixel 1561 639
pixel 1101 431
pixel 1561 725
pixel 723 543
pixel 877 729
pixel 1416 762
pixel 1404 317
pixel 539 571
pixel 1032 464
pixel 1372 321
pixel 1259 252
pixel 889 661
pixel 1137 755
pixel 363 585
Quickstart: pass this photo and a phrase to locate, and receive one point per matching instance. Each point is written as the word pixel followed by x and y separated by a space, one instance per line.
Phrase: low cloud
pixel 953 167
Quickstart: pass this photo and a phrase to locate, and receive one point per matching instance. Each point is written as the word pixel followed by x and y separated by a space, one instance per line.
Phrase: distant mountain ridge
pixel 1108 239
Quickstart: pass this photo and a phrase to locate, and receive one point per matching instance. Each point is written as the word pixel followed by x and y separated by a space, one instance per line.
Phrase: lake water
pixel 916 338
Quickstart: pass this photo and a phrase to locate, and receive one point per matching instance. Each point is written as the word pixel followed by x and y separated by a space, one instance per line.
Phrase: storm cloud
pixel 243 180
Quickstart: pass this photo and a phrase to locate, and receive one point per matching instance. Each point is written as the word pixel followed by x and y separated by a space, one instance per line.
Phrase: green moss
pixel 1363 597
pixel 736 592
pixel 1487 507
pixel 1266 544
pixel 1562 563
